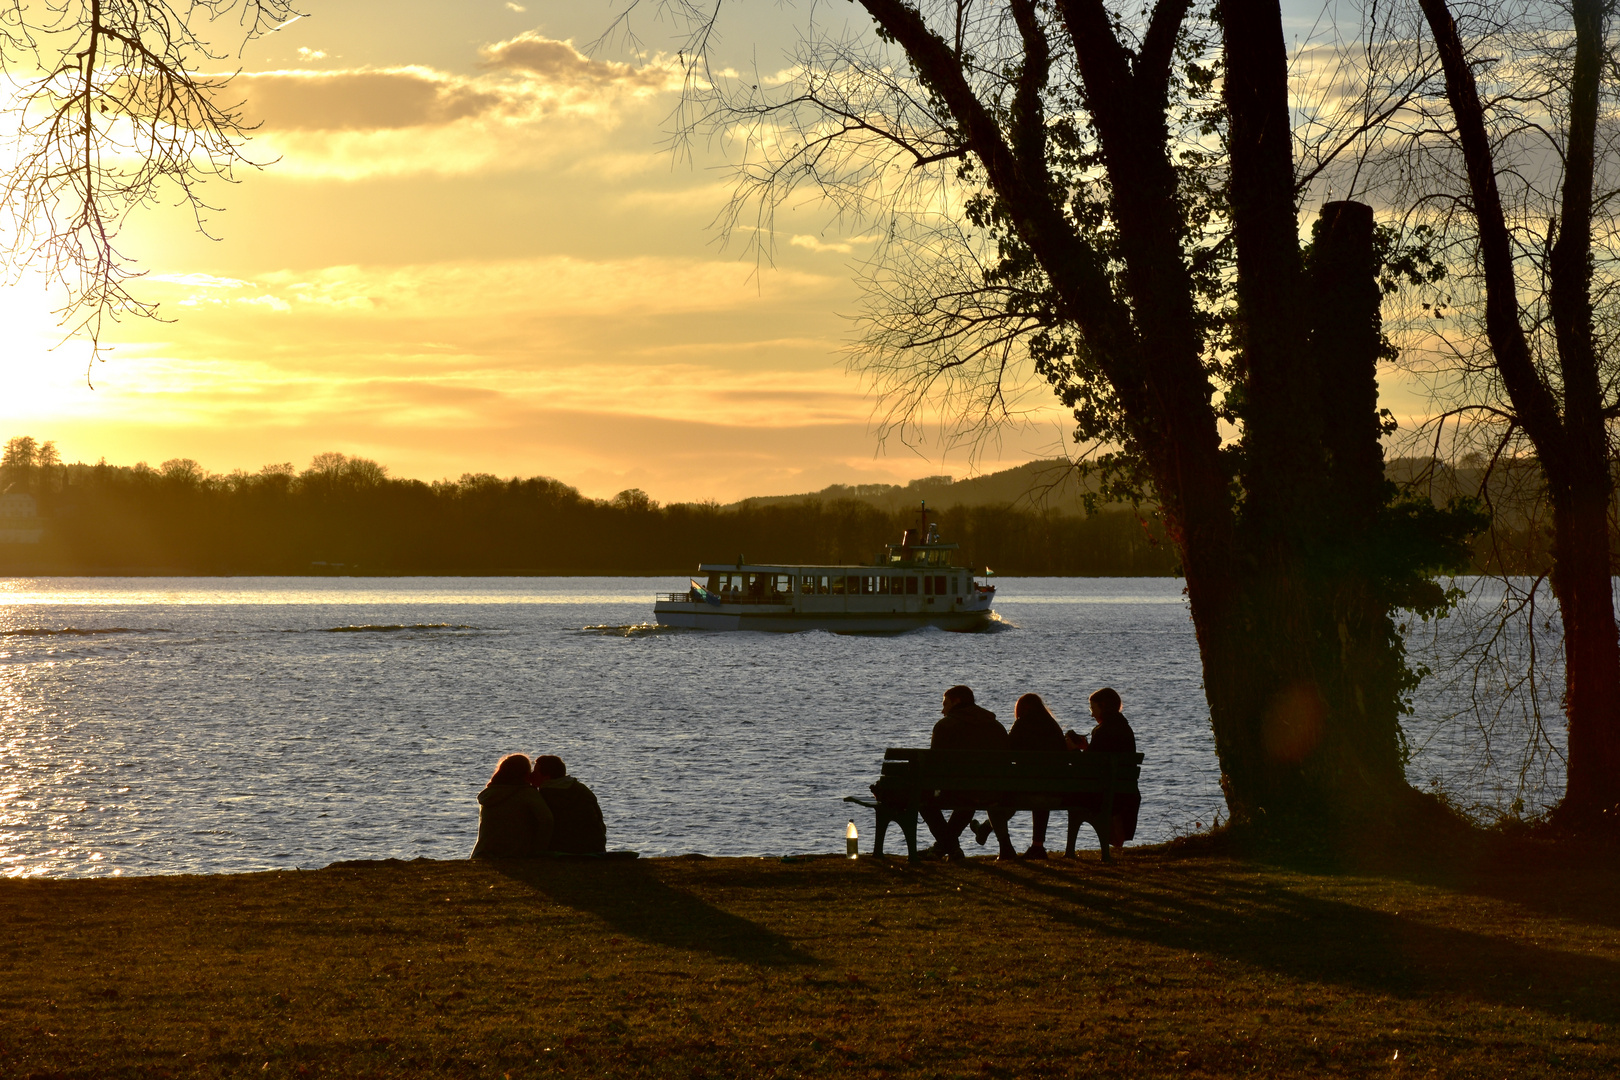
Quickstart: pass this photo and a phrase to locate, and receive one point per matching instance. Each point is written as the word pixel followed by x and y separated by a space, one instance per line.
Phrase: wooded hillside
pixel 346 515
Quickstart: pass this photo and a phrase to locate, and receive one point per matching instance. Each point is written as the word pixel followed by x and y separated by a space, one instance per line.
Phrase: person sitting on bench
pixel 965 726
pixel 1035 728
pixel 1113 735
pixel 579 827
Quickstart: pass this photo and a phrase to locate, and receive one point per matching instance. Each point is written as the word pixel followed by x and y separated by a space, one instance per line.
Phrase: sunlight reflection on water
pixel 208 725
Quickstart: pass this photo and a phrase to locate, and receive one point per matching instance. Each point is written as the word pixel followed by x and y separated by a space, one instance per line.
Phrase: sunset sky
pixel 474 253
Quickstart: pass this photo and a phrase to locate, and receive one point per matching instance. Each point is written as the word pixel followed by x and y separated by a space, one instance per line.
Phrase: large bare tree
pixel 1512 160
pixel 1132 208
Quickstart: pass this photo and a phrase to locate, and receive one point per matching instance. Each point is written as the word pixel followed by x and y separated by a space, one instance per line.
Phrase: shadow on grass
pixel 1427 843
pixel 1272 926
pixel 631 899
pixel 1567 880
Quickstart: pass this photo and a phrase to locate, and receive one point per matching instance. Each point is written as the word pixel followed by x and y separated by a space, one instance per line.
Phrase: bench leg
pixel 907 820
pixel 1105 827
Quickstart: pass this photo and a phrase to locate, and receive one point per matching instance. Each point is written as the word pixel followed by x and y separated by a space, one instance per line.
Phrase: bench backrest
pixel 1011 770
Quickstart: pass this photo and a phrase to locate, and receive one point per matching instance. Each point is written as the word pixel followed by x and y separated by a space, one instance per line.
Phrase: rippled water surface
pixel 213 725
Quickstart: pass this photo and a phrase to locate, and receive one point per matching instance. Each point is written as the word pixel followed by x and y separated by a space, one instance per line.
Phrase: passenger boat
pixel 912 584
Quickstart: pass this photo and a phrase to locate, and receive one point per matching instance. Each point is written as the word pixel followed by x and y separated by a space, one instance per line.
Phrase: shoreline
pixel 173 573
pixel 1505 961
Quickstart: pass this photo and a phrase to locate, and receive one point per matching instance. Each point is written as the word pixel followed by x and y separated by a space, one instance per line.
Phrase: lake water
pixel 219 725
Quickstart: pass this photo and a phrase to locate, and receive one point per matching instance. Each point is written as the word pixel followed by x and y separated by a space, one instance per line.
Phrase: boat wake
pixel 35 631
pixel 634 630
pixel 394 628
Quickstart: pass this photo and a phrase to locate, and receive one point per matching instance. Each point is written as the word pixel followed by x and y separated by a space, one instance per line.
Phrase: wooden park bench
pixel 1004 780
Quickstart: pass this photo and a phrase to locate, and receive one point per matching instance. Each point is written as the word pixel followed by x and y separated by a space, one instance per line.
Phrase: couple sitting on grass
pixel 966 726
pixel 527 811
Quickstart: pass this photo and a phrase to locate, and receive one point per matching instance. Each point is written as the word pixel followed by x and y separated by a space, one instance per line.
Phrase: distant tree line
pixel 347 515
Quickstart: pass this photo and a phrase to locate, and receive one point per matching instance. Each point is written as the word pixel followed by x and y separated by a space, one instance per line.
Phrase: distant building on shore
pixel 19 519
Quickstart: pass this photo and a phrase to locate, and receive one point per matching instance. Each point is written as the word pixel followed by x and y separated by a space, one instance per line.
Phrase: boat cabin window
pixel 854 585
pixel 911 585
pixel 807 584
pixel 783 583
pixel 956 586
pixel 838 586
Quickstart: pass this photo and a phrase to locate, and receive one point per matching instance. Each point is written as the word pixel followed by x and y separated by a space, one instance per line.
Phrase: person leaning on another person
pixel 514 821
pixel 579 826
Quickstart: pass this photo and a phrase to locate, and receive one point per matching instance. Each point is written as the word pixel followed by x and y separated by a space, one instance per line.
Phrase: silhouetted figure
pixel 514 822
pixel 965 726
pixel 1035 728
pixel 1113 735
pixel 579 827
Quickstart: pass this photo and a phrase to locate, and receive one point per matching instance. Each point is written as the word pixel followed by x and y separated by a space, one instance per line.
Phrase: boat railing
pixel 691 597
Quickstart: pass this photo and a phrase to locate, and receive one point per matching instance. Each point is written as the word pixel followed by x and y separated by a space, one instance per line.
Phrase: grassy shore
pixel 1505 962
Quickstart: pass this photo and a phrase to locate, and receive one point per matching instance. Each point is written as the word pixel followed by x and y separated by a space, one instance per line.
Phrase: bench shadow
pixel 630 898
pixel 1271 926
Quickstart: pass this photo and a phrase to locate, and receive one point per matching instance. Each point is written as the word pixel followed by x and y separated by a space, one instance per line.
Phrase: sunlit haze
pixel 472 252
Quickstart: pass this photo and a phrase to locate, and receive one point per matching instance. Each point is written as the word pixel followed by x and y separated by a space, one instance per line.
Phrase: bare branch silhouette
pixel 110 114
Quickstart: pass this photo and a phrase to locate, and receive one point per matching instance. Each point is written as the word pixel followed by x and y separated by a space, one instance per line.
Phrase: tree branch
pixel 1537 409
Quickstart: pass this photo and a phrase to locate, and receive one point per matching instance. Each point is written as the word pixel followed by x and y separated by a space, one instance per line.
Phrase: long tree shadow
pixel 631 899
pixel 1566 880
pixel 1269 925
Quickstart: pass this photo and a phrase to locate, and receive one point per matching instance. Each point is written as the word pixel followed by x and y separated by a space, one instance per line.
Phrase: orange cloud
pixel 560 64
pixel 531 77
pixel 361 100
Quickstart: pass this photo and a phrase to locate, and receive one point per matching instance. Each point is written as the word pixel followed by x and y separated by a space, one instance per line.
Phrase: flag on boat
pixel 704 594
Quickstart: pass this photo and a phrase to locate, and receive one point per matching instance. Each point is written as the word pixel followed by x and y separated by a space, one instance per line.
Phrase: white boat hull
pixel 773 618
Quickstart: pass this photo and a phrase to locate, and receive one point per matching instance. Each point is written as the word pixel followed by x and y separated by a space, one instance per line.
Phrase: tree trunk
pixel 1582 582
pixel 1572 440
pixel 1316 697
pixel 1324 741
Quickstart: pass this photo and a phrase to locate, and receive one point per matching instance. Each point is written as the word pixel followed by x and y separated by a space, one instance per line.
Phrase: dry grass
pixel 1164 963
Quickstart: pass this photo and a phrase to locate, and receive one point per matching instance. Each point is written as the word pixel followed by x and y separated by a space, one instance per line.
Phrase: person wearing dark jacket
pixel 965 726
pixel 579 826
pixel 1113 735
pixel 514 822
pixel 1035 728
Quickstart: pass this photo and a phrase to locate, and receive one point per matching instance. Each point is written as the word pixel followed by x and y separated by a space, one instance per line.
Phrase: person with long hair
pixel 1035 728
pixel 514 821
